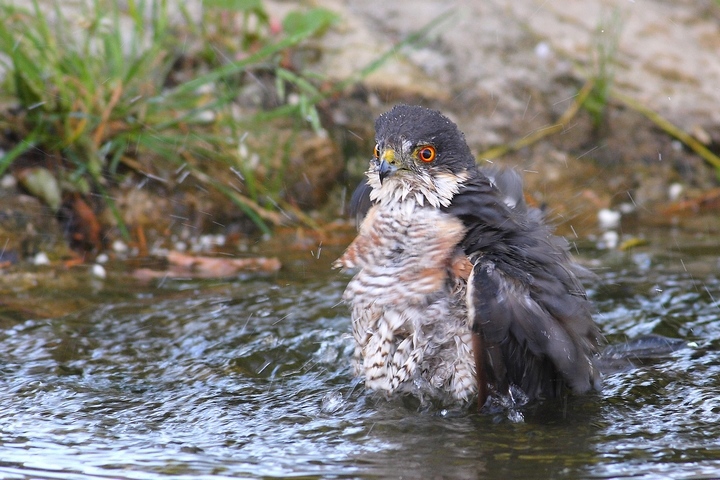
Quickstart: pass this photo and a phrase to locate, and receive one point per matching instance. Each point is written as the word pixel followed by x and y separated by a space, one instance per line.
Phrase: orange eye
pixel 426 154
pixel 377 151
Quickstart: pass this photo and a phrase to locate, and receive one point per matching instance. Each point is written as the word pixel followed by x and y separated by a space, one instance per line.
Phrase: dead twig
pixel 114 98
pixel 564 119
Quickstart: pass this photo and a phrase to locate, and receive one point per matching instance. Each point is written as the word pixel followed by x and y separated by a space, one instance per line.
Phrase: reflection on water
pixel 251 378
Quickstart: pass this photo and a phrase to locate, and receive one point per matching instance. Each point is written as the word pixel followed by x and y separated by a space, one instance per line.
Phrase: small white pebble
pixel 675 191
pixel 609 240
pixel 7 181
pixel 98 271
pixel 542 50
pixel 626 208
pixel 102 258
pixel 206 116
pixel 119 246
pixel 41 258
pixel 608 218
pixel 180 246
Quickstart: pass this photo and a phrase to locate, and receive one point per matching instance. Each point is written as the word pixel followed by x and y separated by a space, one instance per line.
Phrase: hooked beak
pixel 385 170
pixel 388 164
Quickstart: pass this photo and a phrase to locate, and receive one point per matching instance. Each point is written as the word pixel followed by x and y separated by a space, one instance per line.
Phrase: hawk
pixel 460 289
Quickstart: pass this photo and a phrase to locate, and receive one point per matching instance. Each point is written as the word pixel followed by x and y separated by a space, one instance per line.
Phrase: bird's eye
pixel 426 154
pixel 377 151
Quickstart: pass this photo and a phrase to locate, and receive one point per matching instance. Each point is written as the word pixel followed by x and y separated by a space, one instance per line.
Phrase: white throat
pixel 421 187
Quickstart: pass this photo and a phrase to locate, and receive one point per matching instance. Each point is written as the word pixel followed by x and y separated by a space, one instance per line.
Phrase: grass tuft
pixel 605 45
pixel 91 89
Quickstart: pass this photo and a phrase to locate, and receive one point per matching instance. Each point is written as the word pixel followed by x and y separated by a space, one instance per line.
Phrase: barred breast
pixel 407 298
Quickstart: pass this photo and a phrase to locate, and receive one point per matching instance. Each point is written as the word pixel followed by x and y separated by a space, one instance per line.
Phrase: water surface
pixel 249 377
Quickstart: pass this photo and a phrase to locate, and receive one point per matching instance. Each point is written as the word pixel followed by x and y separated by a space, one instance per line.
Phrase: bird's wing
pixel 510 185
pixel 360 202
pixel 528 310
pixel 538 341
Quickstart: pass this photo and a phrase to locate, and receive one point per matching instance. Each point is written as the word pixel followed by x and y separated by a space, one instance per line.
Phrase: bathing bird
pixel 460 290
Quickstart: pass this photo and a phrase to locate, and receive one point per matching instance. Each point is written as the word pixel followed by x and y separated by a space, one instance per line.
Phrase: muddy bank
pixel 507 70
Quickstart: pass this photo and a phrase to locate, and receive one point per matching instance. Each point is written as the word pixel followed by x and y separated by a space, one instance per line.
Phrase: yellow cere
pixel 388 155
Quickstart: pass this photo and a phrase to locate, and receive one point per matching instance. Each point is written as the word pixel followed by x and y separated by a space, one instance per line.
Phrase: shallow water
pixel 250 377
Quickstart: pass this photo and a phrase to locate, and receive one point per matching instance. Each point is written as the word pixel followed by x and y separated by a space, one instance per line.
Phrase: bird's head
pixel 419 155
